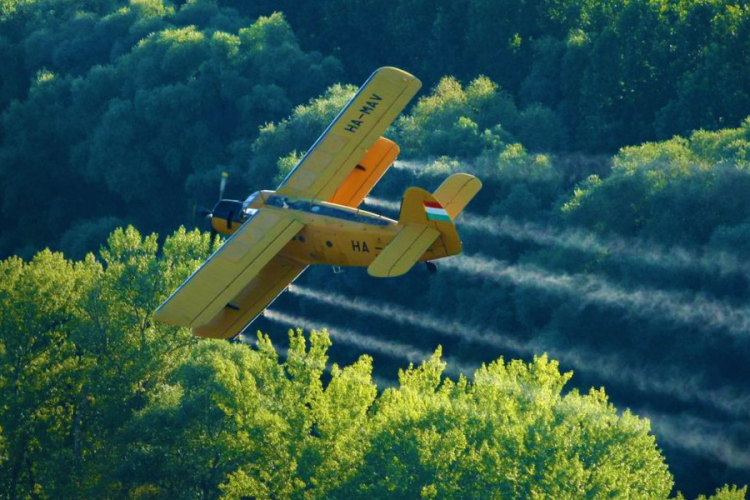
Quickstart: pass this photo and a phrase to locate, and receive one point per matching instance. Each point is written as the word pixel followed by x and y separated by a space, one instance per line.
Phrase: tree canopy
pixel 611 232
pixel 139 410
pixel 131 406
pixel 160 102
pixel 141 104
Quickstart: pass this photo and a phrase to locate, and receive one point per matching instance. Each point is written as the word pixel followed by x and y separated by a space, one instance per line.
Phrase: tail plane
pixel 426 217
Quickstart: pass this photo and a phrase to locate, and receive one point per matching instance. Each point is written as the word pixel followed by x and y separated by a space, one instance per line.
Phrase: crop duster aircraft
pixel 313 218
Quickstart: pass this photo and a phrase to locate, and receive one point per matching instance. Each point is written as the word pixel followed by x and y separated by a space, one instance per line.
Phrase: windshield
pixel 247 205
pixel 327 210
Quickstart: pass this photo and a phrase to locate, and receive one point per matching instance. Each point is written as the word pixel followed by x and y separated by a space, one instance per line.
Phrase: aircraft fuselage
pixel 334 234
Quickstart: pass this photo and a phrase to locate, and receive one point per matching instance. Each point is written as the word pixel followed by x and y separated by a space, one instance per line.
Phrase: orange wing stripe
pixel 369 171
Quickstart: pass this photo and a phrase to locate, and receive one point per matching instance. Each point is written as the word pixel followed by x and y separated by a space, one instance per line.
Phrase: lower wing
pixel 230 270
pixel 253 299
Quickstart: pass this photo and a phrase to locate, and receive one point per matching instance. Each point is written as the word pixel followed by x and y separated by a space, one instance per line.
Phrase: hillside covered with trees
pixel 100 403
pixel 610 239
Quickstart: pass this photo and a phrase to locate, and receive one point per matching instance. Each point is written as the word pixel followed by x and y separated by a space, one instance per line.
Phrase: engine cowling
pixel 227 216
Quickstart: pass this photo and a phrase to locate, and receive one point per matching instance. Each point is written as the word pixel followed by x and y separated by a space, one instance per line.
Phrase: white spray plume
pixel 404 316
pixel 411 165
pixel 699 437
pixel 630 249
pixel 393 206
pixel 686 432
pixel 690 309
pixel 606 367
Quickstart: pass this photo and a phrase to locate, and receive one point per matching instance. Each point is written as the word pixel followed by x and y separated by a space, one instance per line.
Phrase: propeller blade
pixel 223 184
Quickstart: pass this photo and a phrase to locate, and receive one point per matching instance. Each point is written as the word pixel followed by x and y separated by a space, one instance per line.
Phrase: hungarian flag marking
pixel 435 211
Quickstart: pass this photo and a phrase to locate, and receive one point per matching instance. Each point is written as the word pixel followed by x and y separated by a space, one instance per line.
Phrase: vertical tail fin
pixel 421 207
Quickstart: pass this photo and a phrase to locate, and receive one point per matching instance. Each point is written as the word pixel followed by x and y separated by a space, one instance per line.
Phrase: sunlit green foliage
pixel 727 493
pixel 507 433
pixel 140 410
pixel 116 112
pixel 464 122
pixel 701 179
pixel 79 354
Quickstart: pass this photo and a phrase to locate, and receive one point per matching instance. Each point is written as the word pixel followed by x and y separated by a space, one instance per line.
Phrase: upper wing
pixel 227 272
pixel 366 174
pixel 346 140
pixel 253 299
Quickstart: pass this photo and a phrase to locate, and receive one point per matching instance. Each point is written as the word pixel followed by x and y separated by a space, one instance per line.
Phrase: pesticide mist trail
pixel 714 439
pixel 394 350
pixel 686 389
pixel 404 316
pixel 675 258
pixel 632 250
pixel 693 310
pixel 393 206
pixel 410 165
pixel 699 437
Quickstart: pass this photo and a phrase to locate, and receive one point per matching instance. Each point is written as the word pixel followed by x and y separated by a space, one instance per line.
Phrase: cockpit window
pixel 246 205
pixel 326 210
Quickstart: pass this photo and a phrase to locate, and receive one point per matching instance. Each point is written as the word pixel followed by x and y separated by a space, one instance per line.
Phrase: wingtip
pixel 162 315
pixel 399 73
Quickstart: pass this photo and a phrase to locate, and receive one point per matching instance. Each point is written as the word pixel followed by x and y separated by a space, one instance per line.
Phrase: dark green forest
pixel 608 249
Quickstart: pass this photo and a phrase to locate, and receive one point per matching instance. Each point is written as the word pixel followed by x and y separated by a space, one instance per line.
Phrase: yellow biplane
pixel 313 218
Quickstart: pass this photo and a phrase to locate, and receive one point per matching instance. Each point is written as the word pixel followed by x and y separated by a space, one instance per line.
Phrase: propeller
pixel 207 214
pixel 227 215
pixel 223 184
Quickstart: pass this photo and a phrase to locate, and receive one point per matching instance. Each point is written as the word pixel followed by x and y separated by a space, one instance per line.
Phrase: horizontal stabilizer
pixel 456 192
pixel 229 270
pixel 404 251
